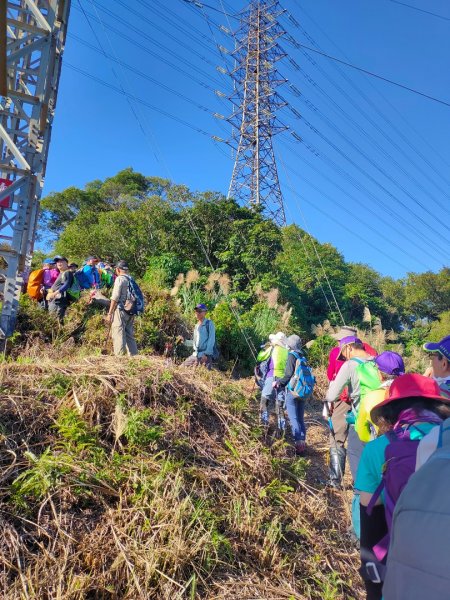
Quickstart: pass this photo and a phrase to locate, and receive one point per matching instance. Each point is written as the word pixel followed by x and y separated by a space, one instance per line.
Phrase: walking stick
pixel 104 350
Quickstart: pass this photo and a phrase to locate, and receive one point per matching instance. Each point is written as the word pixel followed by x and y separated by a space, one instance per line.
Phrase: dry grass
pixel 131 479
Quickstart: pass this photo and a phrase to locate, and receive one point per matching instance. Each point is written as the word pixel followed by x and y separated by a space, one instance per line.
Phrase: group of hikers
pixel 394 428
pixel 58 283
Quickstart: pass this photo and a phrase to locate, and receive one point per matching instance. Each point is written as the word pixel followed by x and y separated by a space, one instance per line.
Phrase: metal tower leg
pixel 35 37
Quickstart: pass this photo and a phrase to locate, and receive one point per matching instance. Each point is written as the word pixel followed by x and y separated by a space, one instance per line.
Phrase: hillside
pixel 131 478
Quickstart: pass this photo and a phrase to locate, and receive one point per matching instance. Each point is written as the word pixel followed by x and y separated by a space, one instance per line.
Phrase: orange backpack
pixel 35 283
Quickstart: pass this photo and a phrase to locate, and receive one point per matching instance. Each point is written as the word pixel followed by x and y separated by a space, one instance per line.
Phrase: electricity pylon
pixel 32 38
pixel 255 101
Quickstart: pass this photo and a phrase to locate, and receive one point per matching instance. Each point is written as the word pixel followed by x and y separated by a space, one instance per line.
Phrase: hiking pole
pixel 326 414
pixel 108 333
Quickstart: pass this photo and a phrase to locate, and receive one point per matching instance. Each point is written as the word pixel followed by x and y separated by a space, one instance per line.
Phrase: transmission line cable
pixel 367 72
pixel 367 208
pixel 375 181
pixel 310 262
pixel 422 10
pixel 383 131
pixel 374 106
pixel 367 136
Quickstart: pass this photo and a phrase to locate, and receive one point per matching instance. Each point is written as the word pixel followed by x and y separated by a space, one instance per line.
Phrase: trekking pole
pixel 108 333
pixel 327 415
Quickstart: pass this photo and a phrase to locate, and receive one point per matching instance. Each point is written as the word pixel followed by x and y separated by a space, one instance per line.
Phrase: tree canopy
pixel 158 226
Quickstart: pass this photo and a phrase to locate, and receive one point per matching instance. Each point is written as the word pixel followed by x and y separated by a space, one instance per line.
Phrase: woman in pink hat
pixel 412 407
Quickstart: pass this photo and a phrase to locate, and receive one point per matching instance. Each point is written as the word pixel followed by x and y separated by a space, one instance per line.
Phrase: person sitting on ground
pixel 57 296
pixel 89 276
pixel 295 406
pixel 389 366
pixel 413 406
pixel 120 322
pixel 269 394
pixel 440 362
pixel 204 340
pixel 351 350
pixel 49 277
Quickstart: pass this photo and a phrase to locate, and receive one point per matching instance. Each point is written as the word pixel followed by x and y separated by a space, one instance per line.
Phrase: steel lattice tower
pixel 32 38
pixel 255 176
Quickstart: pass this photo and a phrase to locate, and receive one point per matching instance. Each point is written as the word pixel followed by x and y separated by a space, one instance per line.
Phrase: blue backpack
pixel 302 381
pixel 134 303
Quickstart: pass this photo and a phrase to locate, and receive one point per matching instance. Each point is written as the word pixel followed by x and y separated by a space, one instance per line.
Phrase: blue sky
pixel 372 175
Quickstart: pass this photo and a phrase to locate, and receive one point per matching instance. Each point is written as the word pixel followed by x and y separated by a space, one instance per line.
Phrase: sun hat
pixel 411 385
pixel 201 307
pixel 343 332
pixel 345 341
pixel 294 342
pixel 390 363
pixel 278 339
pixel 443 347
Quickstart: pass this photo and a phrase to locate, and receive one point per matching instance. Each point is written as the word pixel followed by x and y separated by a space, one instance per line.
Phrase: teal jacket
pixel 204 338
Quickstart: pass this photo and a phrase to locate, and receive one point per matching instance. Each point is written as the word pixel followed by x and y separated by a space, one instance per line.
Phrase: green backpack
pixel 368 376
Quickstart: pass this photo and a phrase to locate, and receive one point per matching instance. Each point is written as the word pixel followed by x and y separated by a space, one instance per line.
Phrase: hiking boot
pixel 300 448
pixel 337 466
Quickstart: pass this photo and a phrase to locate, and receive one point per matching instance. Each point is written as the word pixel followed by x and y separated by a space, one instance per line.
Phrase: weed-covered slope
pixel 129 479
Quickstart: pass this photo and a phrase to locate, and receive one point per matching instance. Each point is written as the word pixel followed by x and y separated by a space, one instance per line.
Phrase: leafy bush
pixel 319 351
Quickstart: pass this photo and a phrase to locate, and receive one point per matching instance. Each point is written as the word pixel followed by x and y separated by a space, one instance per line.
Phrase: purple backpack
pixel 400 464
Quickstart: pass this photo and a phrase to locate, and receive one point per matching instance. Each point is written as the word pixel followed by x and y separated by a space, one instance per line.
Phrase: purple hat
pixel 443 347
pixel 390 363
pixel 350 339
pixel 201 307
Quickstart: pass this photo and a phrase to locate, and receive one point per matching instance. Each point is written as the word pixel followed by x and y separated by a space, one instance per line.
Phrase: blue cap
pixel 201 307
pixel 48 261
pixel 443 347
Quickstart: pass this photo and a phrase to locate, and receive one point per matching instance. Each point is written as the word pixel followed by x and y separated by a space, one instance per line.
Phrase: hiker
pixel 270 395
pixel 351 350
pixel 440 362
pixel 417 564
pixel 389 365
pixel 413 406
pixel 41 280
pixel 121 313
pixel 73 267
pixel 106 275
pixel 89 277
pixel 204 347
pixel 57 297
pixel 298 388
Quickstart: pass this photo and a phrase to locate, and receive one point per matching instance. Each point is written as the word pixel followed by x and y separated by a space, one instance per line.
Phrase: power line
pixel 422 10
pixel 392 125
pixel 137 99
pixel 367 72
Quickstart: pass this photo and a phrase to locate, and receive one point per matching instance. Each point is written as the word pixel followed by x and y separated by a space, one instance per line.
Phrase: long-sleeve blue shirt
pixel 90 277
pixel 204 338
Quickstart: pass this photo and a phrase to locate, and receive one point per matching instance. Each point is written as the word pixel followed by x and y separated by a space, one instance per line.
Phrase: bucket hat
pixel 411 385
pixel 278 339
pixel 349 339
pixel 294 342
pixel 343 332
